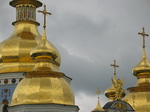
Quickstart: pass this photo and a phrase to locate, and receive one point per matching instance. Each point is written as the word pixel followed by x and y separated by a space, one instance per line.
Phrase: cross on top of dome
pixel 45 13
pixel 143 35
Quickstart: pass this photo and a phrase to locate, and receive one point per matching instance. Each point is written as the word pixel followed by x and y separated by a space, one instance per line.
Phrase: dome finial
pixel 45 13
pixel 98 107
pixel 143 35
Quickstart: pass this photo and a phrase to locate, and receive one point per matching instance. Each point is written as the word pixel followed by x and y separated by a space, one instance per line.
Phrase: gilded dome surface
pixel 43 90
pixel 15 51
pixel 44 84
pixel 98 107
pixel 139 95
pixel 111 93
pixel 139 101
pixel 143 66
pixel 46 49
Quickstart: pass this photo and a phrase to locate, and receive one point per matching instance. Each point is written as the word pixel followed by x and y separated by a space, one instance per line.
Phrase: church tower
pixel 44 89
pixel 139 95
pixel 15 57
pixel 15 51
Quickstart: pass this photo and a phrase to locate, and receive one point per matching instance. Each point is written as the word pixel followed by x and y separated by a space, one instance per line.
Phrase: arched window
pixel 26 12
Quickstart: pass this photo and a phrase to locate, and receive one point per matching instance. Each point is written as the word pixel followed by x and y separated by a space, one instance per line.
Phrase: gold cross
pixel 143 35
pixel 115 66
pixel 45 13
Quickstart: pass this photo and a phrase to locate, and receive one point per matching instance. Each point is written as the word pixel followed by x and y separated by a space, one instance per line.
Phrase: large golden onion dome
pixel 44 84
pixel 15 51
pixel 43 90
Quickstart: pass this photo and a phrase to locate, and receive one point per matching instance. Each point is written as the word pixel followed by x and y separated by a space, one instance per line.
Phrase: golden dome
pixel 44 84
pixel 43 90
pixel 46 50
pixel 111 93
pixel 98 107
pixel 139 95
pixel 139 100
pixel 143 66
pixel 15 51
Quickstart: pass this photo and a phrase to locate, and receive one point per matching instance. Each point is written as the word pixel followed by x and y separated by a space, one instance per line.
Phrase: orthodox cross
pixel 45 13
pixel 115 66
pixel 143 35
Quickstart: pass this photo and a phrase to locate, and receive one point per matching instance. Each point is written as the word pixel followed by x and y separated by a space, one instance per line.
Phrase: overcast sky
pixel 89 35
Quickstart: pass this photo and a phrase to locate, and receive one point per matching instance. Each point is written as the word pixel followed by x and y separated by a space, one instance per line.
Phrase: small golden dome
pixel 143 66
pixel 111 93
pixel 115 92
pixel 98 107
pixel 43 90
pixel 46 50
